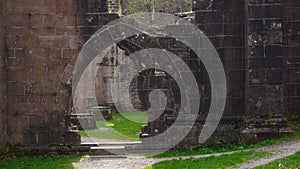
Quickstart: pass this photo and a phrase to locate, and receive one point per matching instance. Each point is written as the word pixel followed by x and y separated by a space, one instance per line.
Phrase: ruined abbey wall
pixel 291 60
pixel 257 40
pixel 2 82
pixel 40 39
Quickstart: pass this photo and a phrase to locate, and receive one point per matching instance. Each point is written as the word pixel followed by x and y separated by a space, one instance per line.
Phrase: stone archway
pixel 116 32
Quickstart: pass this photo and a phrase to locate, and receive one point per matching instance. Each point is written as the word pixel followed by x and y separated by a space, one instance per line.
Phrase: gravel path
pixel 116 163
pixel 280 150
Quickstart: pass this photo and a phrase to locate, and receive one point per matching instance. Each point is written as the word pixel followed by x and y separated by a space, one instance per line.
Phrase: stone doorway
pixel 98 119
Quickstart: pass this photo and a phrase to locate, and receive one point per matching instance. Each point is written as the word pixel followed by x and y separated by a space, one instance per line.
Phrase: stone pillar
pixel 291 55
pixel 3 115
pixel 264 67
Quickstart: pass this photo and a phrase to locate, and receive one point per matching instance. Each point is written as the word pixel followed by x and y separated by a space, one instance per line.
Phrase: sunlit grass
pixel 214 162
pixel 64 162
pixel 219 147
pixel 291 162
pixel 119 128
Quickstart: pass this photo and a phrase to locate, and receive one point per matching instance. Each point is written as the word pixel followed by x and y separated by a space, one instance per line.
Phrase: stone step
pixel 106 156
pixel 145 148
pixel 111 143
pixel 107 150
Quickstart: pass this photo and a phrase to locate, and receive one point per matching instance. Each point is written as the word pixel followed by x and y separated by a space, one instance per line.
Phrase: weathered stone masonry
pixel 3 115
pixel 39 40
pixel 291 60
pixel 257 40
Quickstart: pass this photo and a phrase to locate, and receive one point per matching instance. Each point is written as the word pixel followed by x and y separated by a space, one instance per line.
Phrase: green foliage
pixel 271 114
pixel 291 162
pixel 167 6
pixel 220 147
pixel 136 6
pixel 223 161
pixel 40 163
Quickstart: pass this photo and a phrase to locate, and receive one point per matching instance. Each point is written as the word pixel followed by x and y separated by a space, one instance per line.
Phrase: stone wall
pixel 258 43
pixel 291 63
pixel 42 40
pixel 105 73
pixel 265 70
pixel 249 39
pixel 3 111
pixel 264 74
pixel 223 23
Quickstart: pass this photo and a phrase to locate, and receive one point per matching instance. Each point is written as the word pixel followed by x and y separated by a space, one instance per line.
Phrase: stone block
pixel 273 11
pixel 273 50
pixel 101 112
pixel 256 63
pixel 238 105
pixel 93 6
pixel 233 41
pixel 274 76
pixel 16 74
pixel 257 76
pixel 66 6
pixel 44 138
pixel 84 121
pixel 292 62
pixel 293 104
pixel 30 6
pixel 72 138
pixel 233 28
pixel 233 17
pixel 107 150
pixel 273 62
pixel 256 25
pixel 59 41
pixel 201 5
pixel 30 137
pixel 18 20
pixel 17 87
pixel 35 20
pixel 256 11
pixel 50 20
pixel 256 51
pixel 274 37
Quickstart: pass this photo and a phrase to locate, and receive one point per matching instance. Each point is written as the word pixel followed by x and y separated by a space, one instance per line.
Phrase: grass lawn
pixel 40 163
pixel 223 161
pixel 119 128
pixel 291 162
pixel 219 147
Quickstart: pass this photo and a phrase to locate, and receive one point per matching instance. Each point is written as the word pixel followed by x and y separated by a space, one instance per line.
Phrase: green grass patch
pixel 65 162
pixel 219 147
pixel 219 162
pixel 119 128
pixel 291 162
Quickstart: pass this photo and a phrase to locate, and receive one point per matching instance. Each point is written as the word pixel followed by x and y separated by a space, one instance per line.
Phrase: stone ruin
pixel 257 41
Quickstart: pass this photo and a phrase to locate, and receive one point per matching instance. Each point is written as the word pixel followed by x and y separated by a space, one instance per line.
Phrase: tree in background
pixel 135 6
pixel 167 6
